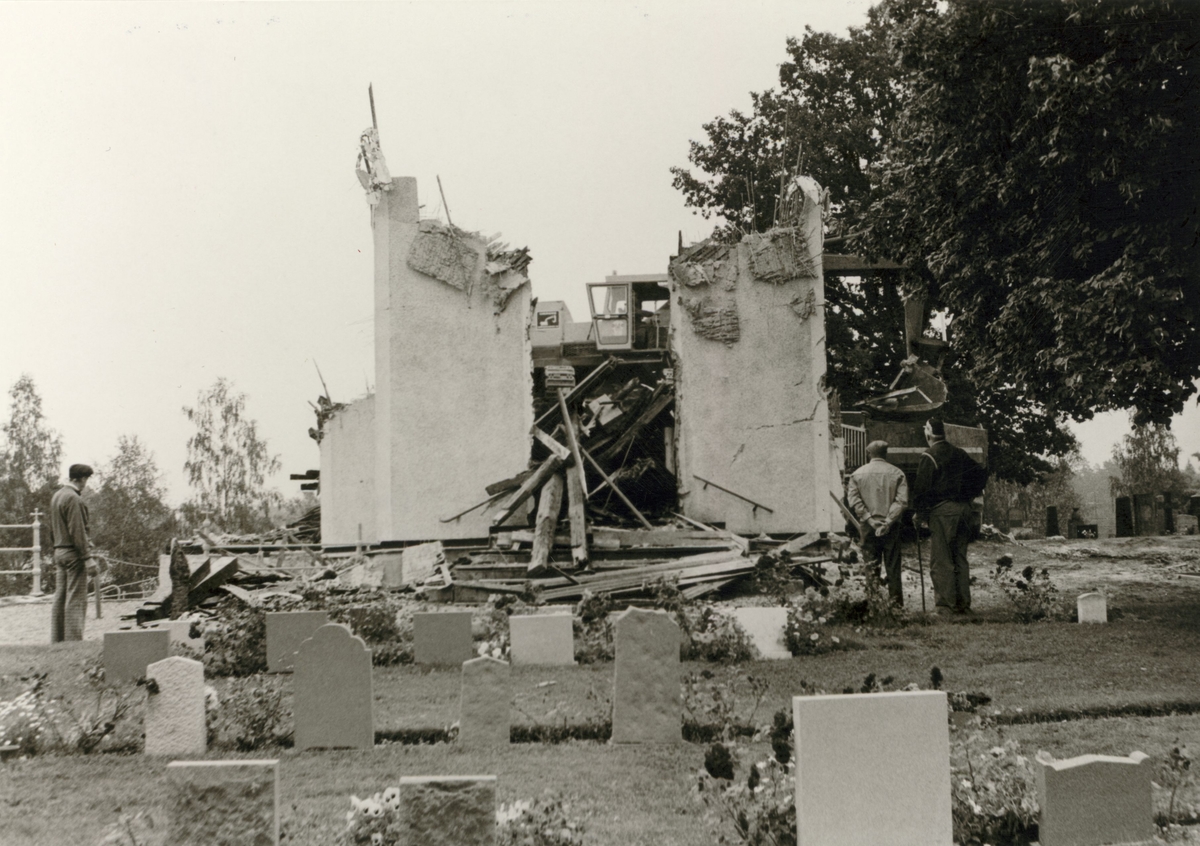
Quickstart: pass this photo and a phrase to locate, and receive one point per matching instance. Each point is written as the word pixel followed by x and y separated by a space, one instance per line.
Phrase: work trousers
pixel 70 596
pixel 950 532
pixel 886 551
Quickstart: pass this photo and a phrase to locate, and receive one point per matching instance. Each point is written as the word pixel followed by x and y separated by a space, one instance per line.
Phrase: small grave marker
pixel 233 803
pixel 542 639
pixel 894 748
pixel 333 700
pixel 128 653
pixel 1095 799
pixel 175 723
pixel 1092 608
pixel 286 630
pixel 448 810
pixel 483 715
pixel 646 701
pixel 442 638
pixel 766 628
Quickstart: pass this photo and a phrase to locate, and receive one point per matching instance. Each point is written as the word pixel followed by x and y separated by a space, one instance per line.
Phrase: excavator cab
pixel 630 312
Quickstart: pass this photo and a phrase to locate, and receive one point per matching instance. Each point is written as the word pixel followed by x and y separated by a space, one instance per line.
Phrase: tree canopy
pixel 1042 178
pixel 1032 163
pixel 227 463
pixel 31 456
pixel 130 518
pixel 1147 462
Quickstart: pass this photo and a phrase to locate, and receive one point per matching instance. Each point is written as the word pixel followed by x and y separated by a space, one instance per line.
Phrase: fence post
pixel 37 554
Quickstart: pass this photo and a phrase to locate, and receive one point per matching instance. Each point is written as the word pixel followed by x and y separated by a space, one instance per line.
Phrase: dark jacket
pixel 69 521
pixel 941 475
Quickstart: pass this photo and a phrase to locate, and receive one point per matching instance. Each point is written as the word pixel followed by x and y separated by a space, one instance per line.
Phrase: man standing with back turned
pixel 878 494
pixel 946 483
pixel 72 553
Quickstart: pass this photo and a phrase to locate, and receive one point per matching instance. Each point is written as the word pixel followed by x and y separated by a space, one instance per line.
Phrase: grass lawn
pixel 1145 658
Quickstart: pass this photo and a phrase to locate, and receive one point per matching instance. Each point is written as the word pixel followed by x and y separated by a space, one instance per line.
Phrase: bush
pixel 235 640
pixel 722 703
pixel 593 632
pixel 1032 594
pixel 761 809
pixel 807 619
pixel 27 721
pixel 712 634
pixel 252 714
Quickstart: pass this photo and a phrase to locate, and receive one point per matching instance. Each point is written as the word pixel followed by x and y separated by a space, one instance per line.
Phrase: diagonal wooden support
pixel 544 471
pixel 608 480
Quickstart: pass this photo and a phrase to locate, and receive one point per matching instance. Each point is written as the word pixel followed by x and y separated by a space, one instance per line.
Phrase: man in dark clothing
pixel 942 498
pixel 72 553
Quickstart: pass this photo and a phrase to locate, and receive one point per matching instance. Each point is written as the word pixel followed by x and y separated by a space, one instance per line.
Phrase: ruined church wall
pixel 749 337
pixel 453 373
pixel 348 474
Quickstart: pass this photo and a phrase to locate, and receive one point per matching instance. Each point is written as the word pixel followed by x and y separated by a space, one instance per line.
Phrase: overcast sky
pixel 179 200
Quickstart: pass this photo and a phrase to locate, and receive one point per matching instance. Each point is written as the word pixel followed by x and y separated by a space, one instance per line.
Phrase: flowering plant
pixel 993 792
pixel 761 809
pixel 806 620
pixel 1032 594
pixel 27 721
pixel 715 635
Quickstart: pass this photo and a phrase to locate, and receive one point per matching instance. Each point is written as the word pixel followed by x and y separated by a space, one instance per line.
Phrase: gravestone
pixel 894 748
pixel 333 699
pixel 766 628
pixel 175 723
pixel 233 803
pixel 1095 799
pixel 483 714
pixel 180 632
pixel 286 630
pixel 448 810
pixel 542 639
pixel 442 638
pixel 1125 526
pixel 1051 521
pixel 646 701
pixel 1092 608
pixel 127 654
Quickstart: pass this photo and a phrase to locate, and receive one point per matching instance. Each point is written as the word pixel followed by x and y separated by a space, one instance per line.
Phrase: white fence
pixel 35 551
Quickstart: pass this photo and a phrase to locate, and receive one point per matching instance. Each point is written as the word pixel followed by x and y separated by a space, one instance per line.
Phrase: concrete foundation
pixel 748 330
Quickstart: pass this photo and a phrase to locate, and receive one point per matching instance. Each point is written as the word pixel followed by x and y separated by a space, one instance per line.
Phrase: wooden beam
pixel 544 471
pixel 616 490
pixel 549 504
pixel 549 443
pixel 569 426
pixel 577 511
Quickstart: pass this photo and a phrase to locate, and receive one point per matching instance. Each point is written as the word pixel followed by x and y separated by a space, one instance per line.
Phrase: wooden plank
pixel 544 471
pixel 571 427
pixel 641 517
pixel 506 485
pixel 549 443
pixel 577 512
pixel 658 404
pixel 549 504
pixel 796 544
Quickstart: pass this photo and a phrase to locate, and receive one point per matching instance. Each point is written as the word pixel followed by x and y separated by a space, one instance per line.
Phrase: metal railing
pixel 856 446
pixel 35 552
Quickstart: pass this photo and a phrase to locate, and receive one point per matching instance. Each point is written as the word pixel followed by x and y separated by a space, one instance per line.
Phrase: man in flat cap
pixel 72 556
pixel 878 494
pixel 947 480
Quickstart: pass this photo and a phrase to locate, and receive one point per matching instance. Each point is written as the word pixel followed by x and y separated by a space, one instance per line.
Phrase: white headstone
pixel 1095 799
pixel 646 697
pixel 174 721
pixel 333 703
pixel 483 714
pixel 873 768
pixel 234 803
pixel 766 627
pixel 448 810
pixel 542 639
pixel 1093 608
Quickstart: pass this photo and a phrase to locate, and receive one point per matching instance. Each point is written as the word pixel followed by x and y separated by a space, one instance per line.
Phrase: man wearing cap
pixel 878 494
pixel 72 556
pixel 942 499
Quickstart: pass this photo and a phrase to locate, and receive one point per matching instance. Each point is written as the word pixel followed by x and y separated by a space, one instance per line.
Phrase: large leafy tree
pixel 832 118
pixel 131 520
pixel 227 464
pixel 1147 462
pixel 1042 179
pixel 31 456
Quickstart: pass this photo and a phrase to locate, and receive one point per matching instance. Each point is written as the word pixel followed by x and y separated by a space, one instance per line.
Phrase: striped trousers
pixel 70 596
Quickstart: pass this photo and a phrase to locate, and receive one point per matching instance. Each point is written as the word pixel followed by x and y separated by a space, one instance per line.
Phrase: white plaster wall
pixel 454 387
pixel 348 475
pixel 751 415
